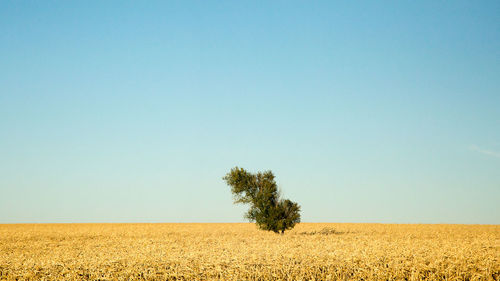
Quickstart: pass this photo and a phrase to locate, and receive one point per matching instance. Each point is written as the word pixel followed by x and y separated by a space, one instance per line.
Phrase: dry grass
pixel 241 252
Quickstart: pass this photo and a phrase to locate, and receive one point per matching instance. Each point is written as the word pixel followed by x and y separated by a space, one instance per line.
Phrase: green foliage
pixel 267 209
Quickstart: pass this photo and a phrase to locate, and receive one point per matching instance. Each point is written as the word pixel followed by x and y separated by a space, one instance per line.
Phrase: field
pixel 311 251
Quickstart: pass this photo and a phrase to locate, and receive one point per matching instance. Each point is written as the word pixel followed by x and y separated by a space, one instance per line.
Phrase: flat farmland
pixel 233 251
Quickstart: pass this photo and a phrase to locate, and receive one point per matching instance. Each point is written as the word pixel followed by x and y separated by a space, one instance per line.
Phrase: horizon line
pixel 408 223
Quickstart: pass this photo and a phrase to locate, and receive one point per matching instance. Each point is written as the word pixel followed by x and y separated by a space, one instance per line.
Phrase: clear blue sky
pixel 133 111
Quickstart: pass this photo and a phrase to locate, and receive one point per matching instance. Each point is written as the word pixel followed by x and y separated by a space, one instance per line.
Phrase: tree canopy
pixel 260 190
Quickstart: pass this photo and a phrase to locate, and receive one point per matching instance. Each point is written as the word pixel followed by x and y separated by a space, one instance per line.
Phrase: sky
pixel 133 111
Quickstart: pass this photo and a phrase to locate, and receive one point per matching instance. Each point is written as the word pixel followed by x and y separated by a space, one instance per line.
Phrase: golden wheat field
pixel 311 251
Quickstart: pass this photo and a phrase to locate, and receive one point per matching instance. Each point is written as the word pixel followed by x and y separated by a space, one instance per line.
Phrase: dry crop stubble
pixel 312 251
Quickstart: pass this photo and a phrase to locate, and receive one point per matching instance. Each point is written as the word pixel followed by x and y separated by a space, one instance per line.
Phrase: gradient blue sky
pixel 365 111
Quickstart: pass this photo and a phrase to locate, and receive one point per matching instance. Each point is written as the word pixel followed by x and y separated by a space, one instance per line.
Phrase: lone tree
pixel 267 209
